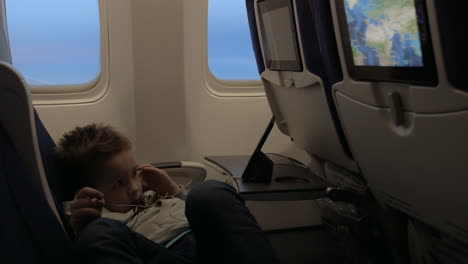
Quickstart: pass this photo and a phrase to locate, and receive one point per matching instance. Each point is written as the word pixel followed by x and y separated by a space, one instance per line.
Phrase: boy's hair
pixel 81 151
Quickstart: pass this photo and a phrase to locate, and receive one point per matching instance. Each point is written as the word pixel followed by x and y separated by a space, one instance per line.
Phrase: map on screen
pixel 384 33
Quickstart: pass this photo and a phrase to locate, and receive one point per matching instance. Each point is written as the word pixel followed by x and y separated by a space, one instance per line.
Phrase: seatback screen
pixel 279 35
pixel 387 40
pixel 384 33
pixel 279 38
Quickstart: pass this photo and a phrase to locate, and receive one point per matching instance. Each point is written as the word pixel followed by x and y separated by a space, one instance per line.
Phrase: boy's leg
pixel 107 241
pixel 224 229
pixel 186 247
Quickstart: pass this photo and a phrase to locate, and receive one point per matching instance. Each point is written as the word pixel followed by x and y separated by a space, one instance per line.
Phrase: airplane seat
pixel 403 104
pixel 250 4
pixel 300 97
pixel 33 230
pixel 303 101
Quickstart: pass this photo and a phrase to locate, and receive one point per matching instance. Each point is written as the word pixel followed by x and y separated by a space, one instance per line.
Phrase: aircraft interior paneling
pixel 366 161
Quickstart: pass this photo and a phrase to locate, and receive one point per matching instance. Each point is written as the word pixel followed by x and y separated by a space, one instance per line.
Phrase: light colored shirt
pixel 160 222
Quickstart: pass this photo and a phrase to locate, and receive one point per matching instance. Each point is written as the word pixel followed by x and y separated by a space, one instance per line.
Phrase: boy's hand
pixel 157 180
pixel 85 207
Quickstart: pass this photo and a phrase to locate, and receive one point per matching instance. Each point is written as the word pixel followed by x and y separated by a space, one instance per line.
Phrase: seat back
pixel 405 110
pixel 301 99
pixel 311 117
pixel 32 227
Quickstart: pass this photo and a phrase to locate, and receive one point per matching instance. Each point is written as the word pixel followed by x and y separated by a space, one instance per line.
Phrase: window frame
pixel 224 87
pixel 88 92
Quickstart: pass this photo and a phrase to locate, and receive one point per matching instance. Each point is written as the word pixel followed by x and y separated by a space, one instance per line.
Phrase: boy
pixel 98 162
pixel 115 183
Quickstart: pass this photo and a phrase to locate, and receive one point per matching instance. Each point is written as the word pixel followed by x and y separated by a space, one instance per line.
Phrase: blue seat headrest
pixel 47 148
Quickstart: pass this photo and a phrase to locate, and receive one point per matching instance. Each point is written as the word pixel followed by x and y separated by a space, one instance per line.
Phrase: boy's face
pixel 119 181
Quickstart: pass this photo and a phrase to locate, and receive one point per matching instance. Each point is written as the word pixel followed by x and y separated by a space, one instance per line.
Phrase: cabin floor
pixel 310 245
pixel 296 232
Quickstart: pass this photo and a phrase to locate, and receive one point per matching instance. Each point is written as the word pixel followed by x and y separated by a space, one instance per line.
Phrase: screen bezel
pixel 426 75
pixel 265 6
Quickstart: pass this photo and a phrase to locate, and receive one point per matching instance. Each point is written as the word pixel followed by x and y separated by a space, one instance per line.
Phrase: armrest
pixel 185 173
pixel 167 165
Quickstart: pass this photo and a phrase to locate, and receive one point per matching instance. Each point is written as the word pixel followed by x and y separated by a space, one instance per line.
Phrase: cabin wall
pixel 117 106
pixel 177 116
pixel 158 60
pixel 157 93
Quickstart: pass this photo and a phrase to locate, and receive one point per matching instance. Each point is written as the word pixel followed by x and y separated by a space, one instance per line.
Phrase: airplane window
pixel 230 52
pixel 55 42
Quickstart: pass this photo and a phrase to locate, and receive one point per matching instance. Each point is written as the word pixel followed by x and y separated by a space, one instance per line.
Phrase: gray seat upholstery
pixel 33 230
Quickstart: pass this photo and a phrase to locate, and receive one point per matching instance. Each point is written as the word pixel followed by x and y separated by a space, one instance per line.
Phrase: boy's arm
pixel 157 180
pixel 85 207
